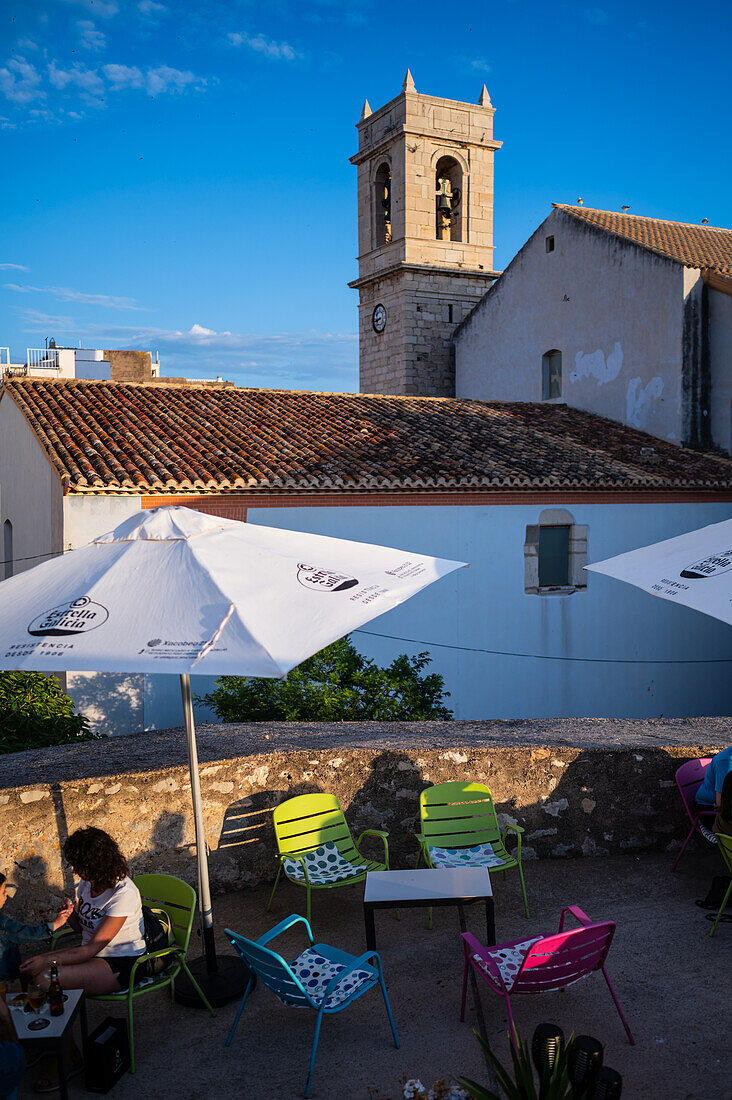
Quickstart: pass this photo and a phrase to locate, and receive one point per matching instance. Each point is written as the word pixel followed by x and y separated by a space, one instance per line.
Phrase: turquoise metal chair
pixel 321 978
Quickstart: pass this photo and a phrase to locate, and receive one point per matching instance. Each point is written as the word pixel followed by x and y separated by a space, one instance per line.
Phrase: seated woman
pixel 108 914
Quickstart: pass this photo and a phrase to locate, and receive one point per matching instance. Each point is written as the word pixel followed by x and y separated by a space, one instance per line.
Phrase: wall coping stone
pixel 159 749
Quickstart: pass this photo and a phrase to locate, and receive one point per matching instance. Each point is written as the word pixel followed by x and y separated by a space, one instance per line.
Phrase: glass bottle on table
pixel 55 993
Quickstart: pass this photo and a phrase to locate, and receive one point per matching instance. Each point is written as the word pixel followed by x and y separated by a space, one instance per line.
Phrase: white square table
pixel 427 887
pixel 57 1030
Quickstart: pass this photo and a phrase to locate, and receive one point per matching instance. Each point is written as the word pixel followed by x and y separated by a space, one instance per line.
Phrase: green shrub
pixel 35 712
pixel 337 684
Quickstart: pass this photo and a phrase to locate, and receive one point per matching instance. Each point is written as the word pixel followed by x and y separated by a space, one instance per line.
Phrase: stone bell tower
pixel 425 235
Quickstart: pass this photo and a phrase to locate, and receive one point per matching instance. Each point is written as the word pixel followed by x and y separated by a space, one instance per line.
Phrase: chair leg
pixel 382 983
pixel 511 1024
pixel 628 1032
pixel 276 882
pixel 235 1024
pixel 722 908
pixel 683 846
pixel 197 987
pixel 313 1052
pixel 466 970
pixel 130 1028
pixel 523 889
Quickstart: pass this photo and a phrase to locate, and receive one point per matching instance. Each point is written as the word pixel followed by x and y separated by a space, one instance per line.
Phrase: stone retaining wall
pixel 577 788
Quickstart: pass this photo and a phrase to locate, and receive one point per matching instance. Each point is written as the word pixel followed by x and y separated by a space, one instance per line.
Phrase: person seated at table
pixel 108 914
pixel 14 932
pixel 709 795
pixel 723 820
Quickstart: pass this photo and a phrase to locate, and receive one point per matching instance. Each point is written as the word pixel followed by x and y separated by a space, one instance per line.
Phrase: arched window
pixel 382 206
pixel 448 193
pixel 551 375
pixel 555 553
pixel 8 548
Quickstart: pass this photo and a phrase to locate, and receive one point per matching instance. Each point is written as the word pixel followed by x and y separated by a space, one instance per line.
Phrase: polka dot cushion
pixel 508 960
pixel 324 866
pixel 482 855
pixel 315 971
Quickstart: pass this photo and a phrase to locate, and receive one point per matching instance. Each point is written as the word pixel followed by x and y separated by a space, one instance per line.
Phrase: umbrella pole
pixel 223 978
pixel 204 900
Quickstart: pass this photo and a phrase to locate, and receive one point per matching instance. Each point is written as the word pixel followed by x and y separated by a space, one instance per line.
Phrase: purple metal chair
pixel 689 778
pixel 543 964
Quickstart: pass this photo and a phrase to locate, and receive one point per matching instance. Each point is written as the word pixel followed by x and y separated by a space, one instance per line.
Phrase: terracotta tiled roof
pixel 121 437
pixel 703 246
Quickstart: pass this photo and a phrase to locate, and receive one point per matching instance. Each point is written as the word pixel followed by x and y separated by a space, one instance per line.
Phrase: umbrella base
pixel 224 984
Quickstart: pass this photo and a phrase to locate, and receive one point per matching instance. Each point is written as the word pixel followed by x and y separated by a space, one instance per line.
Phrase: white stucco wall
pixel 114 703
pixel 30 492
pixel 86 516
pixel 720 349
pixel 614 311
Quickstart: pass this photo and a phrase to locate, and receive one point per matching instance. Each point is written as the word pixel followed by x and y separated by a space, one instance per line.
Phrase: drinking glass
pixel 36 998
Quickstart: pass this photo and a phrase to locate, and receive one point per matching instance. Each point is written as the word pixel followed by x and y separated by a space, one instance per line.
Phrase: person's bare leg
pixel 94 977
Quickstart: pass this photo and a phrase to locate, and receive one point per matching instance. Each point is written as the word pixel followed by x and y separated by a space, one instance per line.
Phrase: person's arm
pixel 105 933
pixel 16 932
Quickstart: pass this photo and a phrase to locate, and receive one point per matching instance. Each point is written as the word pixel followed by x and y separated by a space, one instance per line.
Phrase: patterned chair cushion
pixel 482 855
pixel 315 971
pixel 324 866
pixel 508 960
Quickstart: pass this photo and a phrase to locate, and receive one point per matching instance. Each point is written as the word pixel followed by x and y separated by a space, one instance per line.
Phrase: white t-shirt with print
pixel 122 900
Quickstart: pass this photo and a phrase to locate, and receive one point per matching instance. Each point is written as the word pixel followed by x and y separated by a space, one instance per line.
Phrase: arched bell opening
pixel 448 196
pixel 382 205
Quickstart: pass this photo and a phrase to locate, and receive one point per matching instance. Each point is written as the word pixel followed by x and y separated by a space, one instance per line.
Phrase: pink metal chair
pixel 689 778
pixel 543 964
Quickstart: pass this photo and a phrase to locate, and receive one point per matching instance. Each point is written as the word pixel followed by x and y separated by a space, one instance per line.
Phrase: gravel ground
pixel 669 975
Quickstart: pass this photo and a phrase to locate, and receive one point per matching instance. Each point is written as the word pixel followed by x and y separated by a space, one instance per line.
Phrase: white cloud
pixel 91 38
pixel 598 16
pixel 86 81
pixel 12 267
pixel 275 51
pixel 150 7
pixel 479 64
pixel 164 79
pixel 67 294
pixel 105 9
pixel 290 360
pixel 20 82
pixel 27 44
pixel 124 76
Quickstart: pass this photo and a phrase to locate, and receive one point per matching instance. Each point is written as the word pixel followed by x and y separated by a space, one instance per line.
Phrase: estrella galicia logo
pixel 153 642
pixel 709 567
pixel 73 617
pixel 323 580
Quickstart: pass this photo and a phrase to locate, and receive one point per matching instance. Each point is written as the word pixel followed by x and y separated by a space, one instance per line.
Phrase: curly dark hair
pixel 94 855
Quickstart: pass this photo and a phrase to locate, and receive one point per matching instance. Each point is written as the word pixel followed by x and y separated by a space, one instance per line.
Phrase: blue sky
pixel 176 177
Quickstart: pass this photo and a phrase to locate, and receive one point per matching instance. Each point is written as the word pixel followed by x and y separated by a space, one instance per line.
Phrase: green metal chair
pixel 725 850
pixel 460 829
pixel 316 849
pixel 174 903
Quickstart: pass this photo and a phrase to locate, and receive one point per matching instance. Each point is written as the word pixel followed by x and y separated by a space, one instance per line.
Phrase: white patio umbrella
pixel 176 591
pixel 694 569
